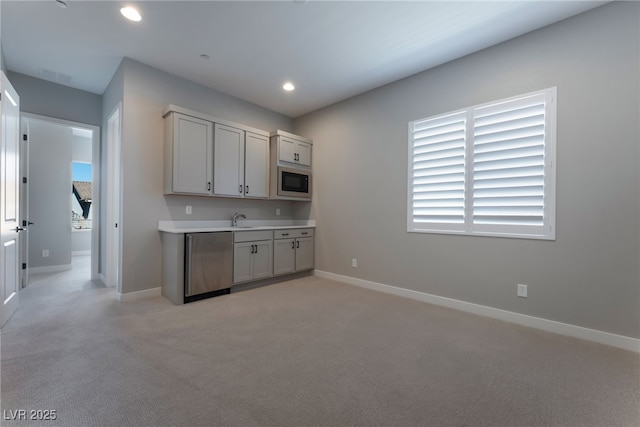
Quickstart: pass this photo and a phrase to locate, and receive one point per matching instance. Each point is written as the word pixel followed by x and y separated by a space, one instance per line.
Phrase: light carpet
pixel 305 352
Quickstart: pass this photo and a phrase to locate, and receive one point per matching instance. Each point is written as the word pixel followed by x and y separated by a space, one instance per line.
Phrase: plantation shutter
pixel 509 164
pixel 485 170
pixel 438 172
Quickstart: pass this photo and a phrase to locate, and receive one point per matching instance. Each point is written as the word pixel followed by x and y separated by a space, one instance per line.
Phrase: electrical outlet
pixel 189 210
pixel 354 263
pixel 45 253
pixel 277 211
pixel 522 290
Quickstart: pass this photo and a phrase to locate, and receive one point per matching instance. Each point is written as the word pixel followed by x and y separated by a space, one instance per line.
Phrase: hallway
pixel 44 294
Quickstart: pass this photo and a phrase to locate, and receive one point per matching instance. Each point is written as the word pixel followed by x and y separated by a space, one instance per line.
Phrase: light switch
pixel 189 210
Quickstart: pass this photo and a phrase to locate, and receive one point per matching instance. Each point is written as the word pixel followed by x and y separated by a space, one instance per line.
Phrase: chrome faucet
pixel 236 216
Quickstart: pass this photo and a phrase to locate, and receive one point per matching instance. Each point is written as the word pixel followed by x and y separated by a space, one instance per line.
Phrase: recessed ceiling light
pixel 204 56
pixel 62 3
pixel 288 86
pixel 131 13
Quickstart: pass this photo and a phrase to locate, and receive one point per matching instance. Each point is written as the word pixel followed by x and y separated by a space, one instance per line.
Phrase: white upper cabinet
pixel 241 163
pixel 228 168
pixel 256 169
pixel 188 155
pixel 208 156
pixel 292 150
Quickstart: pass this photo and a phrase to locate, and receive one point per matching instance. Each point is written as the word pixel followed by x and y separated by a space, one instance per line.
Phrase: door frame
pixel 113 197
pixel 95 178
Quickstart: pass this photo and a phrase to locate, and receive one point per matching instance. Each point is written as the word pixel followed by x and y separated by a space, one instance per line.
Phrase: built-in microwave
pixel 294 183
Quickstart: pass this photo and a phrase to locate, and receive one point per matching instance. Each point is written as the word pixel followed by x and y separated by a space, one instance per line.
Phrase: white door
pixel 191 155
pixel 228 161
pixel 256 169
pixel 284 256
pixel 303 151
pixel 263 260
pixel 243 262
pixel 304 253
pixel 9 199
pixel 288 149
pixel 114 226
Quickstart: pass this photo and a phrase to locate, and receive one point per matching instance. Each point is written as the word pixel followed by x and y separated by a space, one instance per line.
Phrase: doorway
pixel 63 195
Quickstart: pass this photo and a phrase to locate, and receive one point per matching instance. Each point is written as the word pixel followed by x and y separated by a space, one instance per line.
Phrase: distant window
pixel 485 170
pixel 81 189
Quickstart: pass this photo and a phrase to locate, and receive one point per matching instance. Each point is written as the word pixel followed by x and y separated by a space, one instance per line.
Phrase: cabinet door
pixel 263 260
pixel 284 256
pixel 304 153
pixel 228 168
pixel 287 150
pixel 256 170
pixel 242 262
pixel 304 254
pixel 192 152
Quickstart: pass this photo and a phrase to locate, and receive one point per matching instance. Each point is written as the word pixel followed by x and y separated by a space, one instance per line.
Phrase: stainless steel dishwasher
pixel 208 265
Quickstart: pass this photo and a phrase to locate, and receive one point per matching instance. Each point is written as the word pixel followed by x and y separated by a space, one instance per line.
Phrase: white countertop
pixel 178 227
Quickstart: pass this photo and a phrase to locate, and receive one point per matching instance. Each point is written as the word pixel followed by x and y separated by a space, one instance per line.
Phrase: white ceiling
pixel 331 50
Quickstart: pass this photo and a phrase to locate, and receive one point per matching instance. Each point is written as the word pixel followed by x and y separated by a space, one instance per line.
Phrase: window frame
pixel 546 231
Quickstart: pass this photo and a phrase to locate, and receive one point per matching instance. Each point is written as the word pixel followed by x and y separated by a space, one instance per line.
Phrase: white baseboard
pixel 76 253
pixel 139 295
pixel 102 278
pixel 594 335
pixel 50 269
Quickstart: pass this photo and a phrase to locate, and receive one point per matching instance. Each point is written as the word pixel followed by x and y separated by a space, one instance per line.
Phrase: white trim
pixel 50 269
pixel 114 190
pixel 81 253
pixel 601 337
pixel 139 295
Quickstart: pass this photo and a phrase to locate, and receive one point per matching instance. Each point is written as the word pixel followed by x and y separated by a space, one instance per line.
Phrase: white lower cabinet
pixel 293 251
pixel 252 256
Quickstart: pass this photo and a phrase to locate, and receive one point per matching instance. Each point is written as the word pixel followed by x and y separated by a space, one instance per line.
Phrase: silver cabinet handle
pixel 240 190
pixel 208 186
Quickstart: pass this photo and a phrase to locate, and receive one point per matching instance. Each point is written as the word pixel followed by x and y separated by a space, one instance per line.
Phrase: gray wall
pixel 147 92
pixel 50 99
pixel 3 67
pixel 589 276
pixel 49 194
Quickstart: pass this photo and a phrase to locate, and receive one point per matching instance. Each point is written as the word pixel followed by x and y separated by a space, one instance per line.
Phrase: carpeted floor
pixel 307 352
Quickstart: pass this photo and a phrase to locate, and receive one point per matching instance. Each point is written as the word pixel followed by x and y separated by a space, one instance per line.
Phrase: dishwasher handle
pixel 189 255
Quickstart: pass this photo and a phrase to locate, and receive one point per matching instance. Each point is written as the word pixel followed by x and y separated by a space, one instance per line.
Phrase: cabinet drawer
pixel 252 236
pixel 293 233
